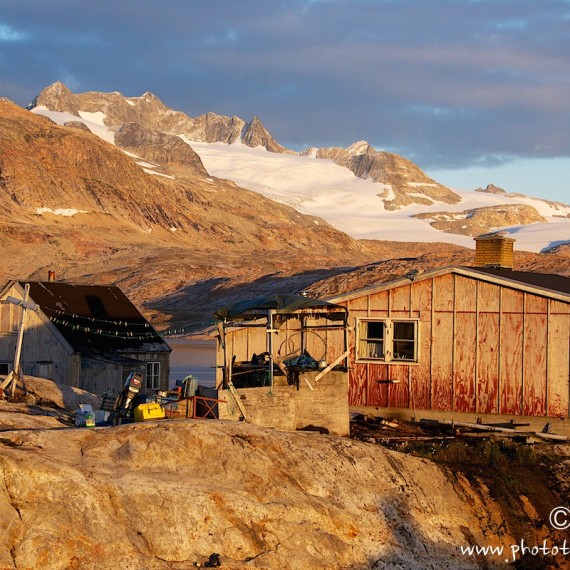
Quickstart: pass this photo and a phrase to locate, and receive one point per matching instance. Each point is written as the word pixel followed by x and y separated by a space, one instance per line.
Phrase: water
pixel 196 357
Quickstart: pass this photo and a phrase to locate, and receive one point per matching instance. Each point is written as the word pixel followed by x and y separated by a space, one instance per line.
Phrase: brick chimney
pixel 494 250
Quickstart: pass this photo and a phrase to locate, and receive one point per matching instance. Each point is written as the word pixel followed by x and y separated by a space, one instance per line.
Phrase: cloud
pixel 9 34
pixel 447 83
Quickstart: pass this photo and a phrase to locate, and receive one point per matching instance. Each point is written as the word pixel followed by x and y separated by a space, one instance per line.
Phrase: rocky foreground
pixel 170 494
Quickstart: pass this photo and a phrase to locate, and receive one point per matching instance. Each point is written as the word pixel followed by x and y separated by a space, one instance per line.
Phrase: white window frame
pixel 388 340
pixel 152 375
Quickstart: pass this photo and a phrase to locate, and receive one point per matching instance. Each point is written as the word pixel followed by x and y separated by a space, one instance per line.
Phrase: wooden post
pixel 331 366
pixel 14 375
pixel 270 314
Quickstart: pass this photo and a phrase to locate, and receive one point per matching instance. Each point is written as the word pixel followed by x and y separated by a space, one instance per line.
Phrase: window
pixel 152 375
pixel 371 339
pixel 388 340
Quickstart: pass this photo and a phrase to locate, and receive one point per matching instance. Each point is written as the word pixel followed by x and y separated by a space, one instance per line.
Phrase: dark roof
pixel 549 281
pixel 96 319
pixel 281 304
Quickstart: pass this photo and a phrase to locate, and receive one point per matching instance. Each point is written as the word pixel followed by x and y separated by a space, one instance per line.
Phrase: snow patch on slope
pixel 93 121
pixel 64 212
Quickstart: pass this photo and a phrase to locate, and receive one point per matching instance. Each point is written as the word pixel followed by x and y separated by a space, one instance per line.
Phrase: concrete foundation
pixel 288 408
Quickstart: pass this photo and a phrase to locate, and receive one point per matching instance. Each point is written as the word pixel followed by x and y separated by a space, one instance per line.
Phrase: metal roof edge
pixel 459 270
pixel 371 289
pixel 514 283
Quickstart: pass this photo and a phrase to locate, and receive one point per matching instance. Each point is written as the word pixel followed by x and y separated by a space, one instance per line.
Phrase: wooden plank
pixel 511 363
pixel 331 365
pixel 534 364
pixel 421 297
pixel 400 301
pixel 256 342
pixel 238 401
pixel 378 375
pixel 535 304
pixel 399 392
pixel 559 308
pixel 5 322
pixel 464 364
pixel 240 345
pixel 443 293
pixel 465 294
pixel 420 375
pixel 512 301
pixel 335 343
pixel 315 340
pixel 358 385
pixel 558 360
pixel 358 304
pixel 379 301
pixel 488 297
pixel 487 363
pixel 442 386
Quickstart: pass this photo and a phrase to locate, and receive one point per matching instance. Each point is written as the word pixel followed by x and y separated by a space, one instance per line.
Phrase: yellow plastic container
pixel 145 412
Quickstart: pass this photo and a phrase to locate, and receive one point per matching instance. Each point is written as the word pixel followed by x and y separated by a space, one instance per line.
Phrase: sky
pixel 473 91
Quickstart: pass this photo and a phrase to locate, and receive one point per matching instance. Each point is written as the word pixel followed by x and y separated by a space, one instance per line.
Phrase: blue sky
pixel 473 91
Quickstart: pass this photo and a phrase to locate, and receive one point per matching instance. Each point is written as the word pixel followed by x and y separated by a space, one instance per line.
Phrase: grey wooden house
pixel 89 336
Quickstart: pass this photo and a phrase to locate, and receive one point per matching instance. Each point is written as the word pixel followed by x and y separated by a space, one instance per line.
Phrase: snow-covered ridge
pixel 319 187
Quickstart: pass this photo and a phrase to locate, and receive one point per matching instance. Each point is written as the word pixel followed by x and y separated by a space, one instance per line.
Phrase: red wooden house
pixel 477 340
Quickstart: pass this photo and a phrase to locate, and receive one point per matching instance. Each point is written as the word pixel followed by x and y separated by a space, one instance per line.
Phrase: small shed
pixel 89 336
pixel 282 362
pixel 461 340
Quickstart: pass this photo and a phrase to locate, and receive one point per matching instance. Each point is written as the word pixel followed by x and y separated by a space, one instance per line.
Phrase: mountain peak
pixel 254 134
pixel 359 147
pixel 56 97
pixel 491 189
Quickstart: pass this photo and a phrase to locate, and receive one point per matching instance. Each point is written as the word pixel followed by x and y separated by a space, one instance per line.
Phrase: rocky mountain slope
pixel 400 187
pixel 151 113
pixel 404 182
pixel 473 222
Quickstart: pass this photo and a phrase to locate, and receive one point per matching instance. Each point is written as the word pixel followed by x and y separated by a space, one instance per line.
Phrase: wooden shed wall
pixel 45 354
pixel 323 341
pixel 483 347
pixel 42 352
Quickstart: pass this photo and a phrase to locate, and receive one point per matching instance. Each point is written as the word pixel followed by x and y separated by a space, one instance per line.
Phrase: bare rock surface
pixel 404 182
pixel 478 221
pixel 255 134
pixel 68 398
pixel 159 147
pixel 150 112
pixel 168 495
pixel 46 405
pixel 491 189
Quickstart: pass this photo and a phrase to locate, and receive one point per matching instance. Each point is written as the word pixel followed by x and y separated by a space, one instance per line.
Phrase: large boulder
pixel 171 494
